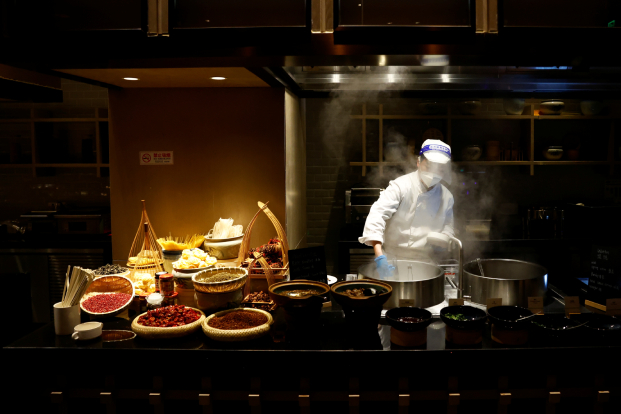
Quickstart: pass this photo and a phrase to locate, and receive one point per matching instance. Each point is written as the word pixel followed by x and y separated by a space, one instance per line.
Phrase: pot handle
pixel 460 290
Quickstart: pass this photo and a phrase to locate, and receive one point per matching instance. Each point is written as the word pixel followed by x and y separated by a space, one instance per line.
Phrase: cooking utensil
pixel 475 317
pixel 394 314
pixel 512 280
pixel 383 292
pixel 551 107
pixel 278 292
pixel 480 267
pixel 412 280
pixel 510 317
pixel 470 107
pixel 591 108
pixel 513 106
pixel 529 316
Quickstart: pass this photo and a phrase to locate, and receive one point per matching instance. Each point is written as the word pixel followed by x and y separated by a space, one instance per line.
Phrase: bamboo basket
pixel 202 284
pixel 145 255
pixel 237 335
pixel 109 284
pixel 151 332
pixel 273 274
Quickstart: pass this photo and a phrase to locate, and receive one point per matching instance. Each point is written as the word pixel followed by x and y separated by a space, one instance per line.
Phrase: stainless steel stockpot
pixel 414 283
pixel 512 280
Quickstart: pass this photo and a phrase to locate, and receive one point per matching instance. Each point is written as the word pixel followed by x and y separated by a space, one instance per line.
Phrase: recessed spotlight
pixel 132 79
pixel 217 78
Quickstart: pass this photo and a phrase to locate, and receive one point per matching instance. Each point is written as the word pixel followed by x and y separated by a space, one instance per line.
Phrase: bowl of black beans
pixel 111 270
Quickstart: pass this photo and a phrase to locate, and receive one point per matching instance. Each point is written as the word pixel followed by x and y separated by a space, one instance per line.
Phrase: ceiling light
pixel 132 79
pixel 218 78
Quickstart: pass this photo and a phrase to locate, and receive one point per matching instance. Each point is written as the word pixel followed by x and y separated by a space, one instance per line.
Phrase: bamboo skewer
pixel 76 286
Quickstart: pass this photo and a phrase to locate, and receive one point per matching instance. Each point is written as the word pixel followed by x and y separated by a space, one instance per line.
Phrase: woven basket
pixel 109 284
pixel 237 335
pixel 202 284
pixel 282 235
pixel 150 332
pixel 125 273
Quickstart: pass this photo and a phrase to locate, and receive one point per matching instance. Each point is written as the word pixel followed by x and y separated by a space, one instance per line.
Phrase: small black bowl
pixel 556 327
pixel 601 327
pixel 506 317
pixel 475 318
pixel 394 314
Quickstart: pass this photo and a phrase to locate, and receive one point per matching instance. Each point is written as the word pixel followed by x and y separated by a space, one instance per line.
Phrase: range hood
pixel 432 75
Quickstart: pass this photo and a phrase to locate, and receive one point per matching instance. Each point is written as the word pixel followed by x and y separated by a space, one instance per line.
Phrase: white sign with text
pixel 156 158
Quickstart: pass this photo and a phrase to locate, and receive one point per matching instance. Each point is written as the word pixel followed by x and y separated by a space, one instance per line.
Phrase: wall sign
pixel 605 275
pixel 156 158
pixel 309 263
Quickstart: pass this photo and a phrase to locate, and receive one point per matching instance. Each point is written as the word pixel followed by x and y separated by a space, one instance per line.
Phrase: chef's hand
pixel 383 268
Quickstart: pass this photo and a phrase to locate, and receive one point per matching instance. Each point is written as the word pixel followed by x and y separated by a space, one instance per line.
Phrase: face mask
pixel 430 179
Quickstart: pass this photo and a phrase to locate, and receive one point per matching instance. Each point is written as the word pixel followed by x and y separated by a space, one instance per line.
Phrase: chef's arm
pixel 377 248
pixel 381 211
pixel 449 224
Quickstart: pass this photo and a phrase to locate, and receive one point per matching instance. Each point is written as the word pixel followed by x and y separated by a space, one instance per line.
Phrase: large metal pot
pixel 512 280
pixel 413 284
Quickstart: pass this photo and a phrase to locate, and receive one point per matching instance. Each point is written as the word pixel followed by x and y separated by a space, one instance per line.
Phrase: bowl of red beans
pixel 107 296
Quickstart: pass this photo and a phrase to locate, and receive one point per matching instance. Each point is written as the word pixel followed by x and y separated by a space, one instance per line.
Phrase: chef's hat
pixel 436 151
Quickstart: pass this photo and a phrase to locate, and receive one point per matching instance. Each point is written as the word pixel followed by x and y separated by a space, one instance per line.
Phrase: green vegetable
pixel 456 316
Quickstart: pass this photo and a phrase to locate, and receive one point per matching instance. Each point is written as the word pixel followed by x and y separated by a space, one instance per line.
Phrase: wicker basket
pixel 150 332
pixel 125 273
pixel 237 335
pixel 109 284
pixel 202 284
pixel 282 235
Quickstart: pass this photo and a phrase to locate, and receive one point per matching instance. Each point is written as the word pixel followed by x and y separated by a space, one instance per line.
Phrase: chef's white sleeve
pixel 381 211
pixel 449 223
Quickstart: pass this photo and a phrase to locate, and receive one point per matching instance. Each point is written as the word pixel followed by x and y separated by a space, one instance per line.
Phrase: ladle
pixel 529 316
pixel 370 292
pixel 480 267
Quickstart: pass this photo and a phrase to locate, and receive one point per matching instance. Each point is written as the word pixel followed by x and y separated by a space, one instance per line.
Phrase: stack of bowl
pixel 362 313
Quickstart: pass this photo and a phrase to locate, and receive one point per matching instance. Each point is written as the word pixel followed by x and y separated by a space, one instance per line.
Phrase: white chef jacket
pixel 405 214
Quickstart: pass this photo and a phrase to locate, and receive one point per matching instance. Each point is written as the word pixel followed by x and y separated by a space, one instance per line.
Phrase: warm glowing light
pixel 131 79
pixel 391 78
pixel 382 60
pixel 217 78
pixel 336 78
pixel 446 78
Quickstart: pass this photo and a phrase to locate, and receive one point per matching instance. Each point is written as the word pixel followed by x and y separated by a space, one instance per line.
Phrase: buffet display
pixel 221 301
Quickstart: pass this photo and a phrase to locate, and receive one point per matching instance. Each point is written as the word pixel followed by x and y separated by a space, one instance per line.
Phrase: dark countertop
pixel 330 341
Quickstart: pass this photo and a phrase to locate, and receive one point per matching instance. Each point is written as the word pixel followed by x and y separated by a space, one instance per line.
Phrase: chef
pixel 412 206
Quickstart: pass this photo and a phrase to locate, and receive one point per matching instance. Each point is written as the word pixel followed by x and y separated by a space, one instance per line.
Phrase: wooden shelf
pixel 15 165
pixel 516 117
pixel 571 162
pixel 529 154
pixel 491 162
pixel 15 121
pixel 565 117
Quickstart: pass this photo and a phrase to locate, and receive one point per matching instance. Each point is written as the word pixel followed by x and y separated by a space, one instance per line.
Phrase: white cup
pixel 87 330
pixel 65 319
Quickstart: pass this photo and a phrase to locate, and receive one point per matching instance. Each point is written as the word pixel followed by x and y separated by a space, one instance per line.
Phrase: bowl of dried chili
pixel 107 296
pixel 168 322
pixel 241 324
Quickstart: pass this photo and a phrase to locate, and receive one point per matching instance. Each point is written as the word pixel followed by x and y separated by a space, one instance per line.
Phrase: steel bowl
pixel 512 280
pixel 413 283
